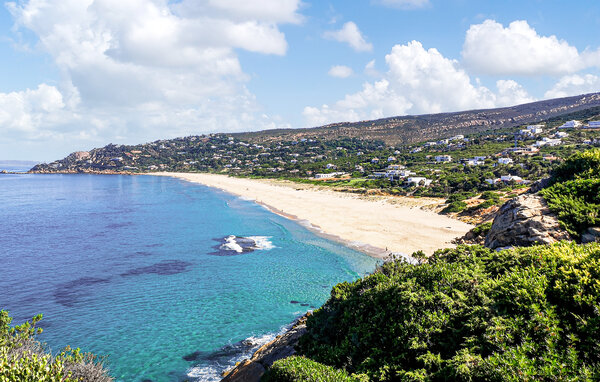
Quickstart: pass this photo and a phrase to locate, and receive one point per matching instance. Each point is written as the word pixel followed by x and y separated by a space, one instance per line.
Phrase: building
pixel 391 159
pixel 511 178
pixel 330 175
pixel 561 134
pixel 505 160
pixel 375 160
pixel 548 142
pixel 593 125
pixel 473 162
pixel 443 158
pixel 570 124
pixel 418 181
pixel 395 167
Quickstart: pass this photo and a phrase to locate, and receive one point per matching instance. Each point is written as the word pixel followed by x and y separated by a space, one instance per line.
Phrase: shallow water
pixel 132 267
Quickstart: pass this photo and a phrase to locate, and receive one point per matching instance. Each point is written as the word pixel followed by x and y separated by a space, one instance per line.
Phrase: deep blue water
pixel 130 267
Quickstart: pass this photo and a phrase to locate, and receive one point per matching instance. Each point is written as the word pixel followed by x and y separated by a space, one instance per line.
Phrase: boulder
pixel 523 221
pixel 591 235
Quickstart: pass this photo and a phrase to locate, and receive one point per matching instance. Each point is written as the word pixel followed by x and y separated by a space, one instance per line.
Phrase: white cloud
pixel 340 71
pixel 351 35
pixel 170 70
pixel 574 85
pixel 403 4
pixel 370 69
pixel 417 81
pixel 518 49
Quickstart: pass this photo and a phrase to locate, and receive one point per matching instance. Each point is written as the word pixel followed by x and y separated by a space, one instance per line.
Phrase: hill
pixel 411 129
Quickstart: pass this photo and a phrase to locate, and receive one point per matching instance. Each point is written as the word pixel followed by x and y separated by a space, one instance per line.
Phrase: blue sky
pixel 78 74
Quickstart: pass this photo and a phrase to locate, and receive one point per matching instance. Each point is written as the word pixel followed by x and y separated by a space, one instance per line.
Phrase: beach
pixel 376 225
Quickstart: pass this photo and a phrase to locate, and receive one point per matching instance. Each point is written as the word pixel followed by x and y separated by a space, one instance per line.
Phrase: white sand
pixel 373 224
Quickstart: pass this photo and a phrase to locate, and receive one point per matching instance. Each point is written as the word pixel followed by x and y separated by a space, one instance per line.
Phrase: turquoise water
pixel 130 267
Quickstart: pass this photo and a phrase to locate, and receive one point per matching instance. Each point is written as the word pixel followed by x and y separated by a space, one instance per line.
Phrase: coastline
pixel 375 225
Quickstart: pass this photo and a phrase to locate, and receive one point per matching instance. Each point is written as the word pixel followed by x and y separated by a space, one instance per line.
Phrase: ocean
pixel 171 280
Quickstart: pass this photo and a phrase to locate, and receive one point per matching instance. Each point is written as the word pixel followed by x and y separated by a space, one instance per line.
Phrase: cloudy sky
pixel 78 74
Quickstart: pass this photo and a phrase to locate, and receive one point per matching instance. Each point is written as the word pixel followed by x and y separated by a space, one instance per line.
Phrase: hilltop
pixel 412 129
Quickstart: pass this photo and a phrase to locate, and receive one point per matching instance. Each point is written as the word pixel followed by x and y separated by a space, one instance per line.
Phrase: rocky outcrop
pixel 591 235
pixel 524 221
pixel 251 370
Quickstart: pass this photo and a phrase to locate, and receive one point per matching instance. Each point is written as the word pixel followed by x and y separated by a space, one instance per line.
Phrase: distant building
pixel 505 160
pixel 330 175
pixel 443 158
pixel 570 124
pixel 593 125
pixel 391 159
pixel 561 134
pixel 418 181
pixel 375 160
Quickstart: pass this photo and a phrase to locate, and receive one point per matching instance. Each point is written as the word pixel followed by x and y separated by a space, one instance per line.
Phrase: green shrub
pixel 482 229
pixel 582 165
pixel 300 369
pixel 458 206
pixel 490 195
pixel 468 314
pixel 576 203
pixel 23 359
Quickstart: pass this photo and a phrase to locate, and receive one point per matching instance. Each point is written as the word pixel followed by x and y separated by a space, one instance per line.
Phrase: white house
pixel 570 124
pixel 330 175
pixel 535 129
pixel 375 160
pixel 391 159
pixel 511 178
pixel 416 150
pixel 505 160
pixel 474 162
pixel 395 167
pixel 457 137
pixel 593 125
pixel 418 180
pixel 480 157
pixel 443 158
pixel 561 134
pixel 548 142
pixel 330 166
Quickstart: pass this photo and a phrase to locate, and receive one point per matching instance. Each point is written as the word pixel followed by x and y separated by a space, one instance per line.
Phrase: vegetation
pixel 468 314
pixel 575 194
pixel 301 369
pixel 23 358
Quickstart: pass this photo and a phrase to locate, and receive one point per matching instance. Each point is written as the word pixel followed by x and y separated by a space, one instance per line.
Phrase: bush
pixel 300 369
pixel 582 165
pixel 467 314
pixel 576 203
pixel 458 206
pixel 482 230
pixel 23 359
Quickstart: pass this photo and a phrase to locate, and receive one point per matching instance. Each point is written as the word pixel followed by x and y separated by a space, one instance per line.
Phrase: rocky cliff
pixel 524 221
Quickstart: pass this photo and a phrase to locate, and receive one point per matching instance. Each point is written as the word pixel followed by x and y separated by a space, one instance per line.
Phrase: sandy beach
pixel 376 225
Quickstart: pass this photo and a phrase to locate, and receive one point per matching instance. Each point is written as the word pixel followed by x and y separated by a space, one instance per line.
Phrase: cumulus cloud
pixel 340 71
pixel 403 4
pixel 351 35
pixel 491 48
pixel 417 81
pixel 170 70
pixel 574 85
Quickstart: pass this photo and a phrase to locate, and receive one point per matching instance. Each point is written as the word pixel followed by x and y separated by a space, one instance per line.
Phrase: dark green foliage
pixel 576 202
pixel 24 359
pixel 469 314
pixel 455 207
pixel 482 229
pixel 581 165
pixel 575 193
pixel 300 369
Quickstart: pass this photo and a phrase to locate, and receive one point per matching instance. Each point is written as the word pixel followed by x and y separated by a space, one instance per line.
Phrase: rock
pixel 591 235
pixel 539 184
pixel 523 221
pixel 251 370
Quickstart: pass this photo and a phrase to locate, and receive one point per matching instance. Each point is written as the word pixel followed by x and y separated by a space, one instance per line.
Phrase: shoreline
pixel 378 226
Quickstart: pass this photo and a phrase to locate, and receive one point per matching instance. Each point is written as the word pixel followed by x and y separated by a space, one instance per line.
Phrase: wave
pixel 242 244
pixel 214 364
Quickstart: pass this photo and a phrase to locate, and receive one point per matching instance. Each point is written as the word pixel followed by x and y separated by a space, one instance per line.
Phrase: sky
pixel 79 74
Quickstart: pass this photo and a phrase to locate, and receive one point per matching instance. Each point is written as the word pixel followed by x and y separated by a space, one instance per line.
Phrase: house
pixel 560 134
pixel 480 158
pixel 473 162
pixel 505 160
pixel 492 181
pixel 391 159
pixel 457 137
pixel 535 129
pixel 418 181
pixel 395 167
pixel 443 158
pixel 330 166
pixel 593 125
pixel 330 175
pixel 548 142
pixel 375 160
pixel 416 150
pixel 511 178
pixel 570 124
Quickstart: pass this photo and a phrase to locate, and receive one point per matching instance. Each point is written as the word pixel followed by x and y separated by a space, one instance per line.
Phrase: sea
pixel 169 280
